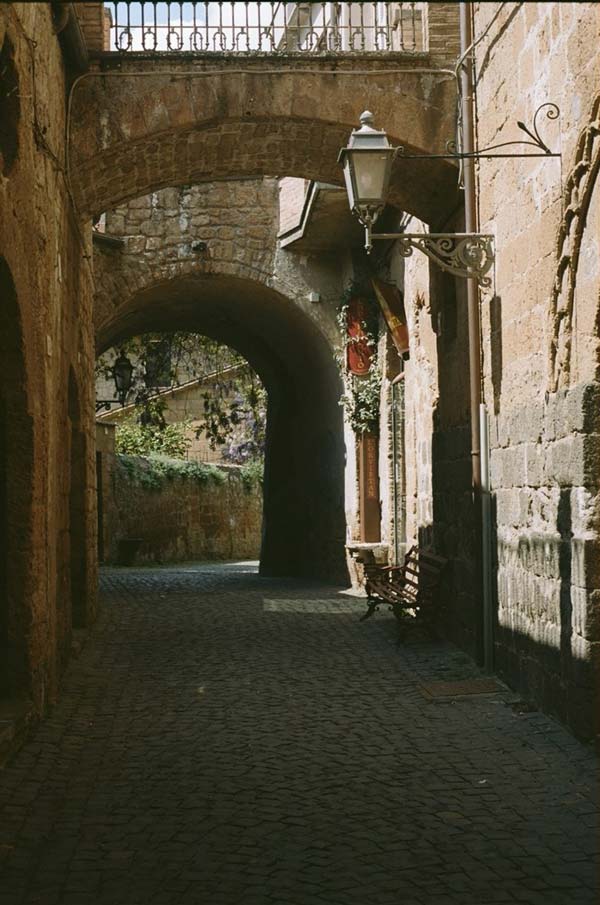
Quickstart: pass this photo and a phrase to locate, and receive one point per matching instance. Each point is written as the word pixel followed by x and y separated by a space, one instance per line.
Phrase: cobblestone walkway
pixel 229 740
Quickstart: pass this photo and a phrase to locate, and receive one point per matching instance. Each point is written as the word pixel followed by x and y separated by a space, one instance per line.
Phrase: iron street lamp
pixel 122 373
pixel 367 162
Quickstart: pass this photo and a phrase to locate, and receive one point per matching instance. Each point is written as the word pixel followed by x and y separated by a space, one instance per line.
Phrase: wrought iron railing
pixel 266 27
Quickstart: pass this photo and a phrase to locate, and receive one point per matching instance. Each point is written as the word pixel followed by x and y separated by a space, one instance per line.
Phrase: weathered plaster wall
pixel 46 272
pixel 541 349
pixel 292 193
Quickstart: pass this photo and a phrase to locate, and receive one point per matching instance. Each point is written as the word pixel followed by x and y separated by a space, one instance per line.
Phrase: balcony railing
pixel 266 27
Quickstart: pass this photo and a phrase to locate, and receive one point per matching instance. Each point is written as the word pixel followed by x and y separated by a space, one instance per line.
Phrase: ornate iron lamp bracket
pixel 542 149
pixel 107 404
pixel 465 255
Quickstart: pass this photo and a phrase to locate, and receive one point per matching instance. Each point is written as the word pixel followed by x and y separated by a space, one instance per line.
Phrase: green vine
pixel 252 473
pixel 362 395
pixel 154 471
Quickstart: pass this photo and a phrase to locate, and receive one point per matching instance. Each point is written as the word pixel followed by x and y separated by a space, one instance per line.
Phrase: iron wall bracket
pixel 469 256
pixel 550 110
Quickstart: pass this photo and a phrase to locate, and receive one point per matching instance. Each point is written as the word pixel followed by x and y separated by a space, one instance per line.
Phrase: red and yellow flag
pixel 391 303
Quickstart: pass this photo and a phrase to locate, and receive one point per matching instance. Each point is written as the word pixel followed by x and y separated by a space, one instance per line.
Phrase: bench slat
pixel 409 586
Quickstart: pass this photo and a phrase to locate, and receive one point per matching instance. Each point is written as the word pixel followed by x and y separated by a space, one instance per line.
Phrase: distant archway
pixel 16 468
pixel 303 522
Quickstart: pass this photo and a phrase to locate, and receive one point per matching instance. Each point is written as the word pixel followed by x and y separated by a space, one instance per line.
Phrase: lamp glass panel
pixel 371 174
pixel 349 183
pixel 122 373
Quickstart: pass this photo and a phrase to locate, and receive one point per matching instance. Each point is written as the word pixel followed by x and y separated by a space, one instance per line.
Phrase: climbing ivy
pixel 154 471
pixel 252 473
pixel 362 395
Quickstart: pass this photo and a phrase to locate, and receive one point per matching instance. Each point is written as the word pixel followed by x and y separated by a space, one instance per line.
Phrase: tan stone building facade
pixel 261 262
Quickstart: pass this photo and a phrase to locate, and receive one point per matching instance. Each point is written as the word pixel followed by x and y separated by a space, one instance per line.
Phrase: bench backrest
pixel 422 572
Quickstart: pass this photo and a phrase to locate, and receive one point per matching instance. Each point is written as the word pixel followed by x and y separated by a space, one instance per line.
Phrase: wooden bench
pixel 411 586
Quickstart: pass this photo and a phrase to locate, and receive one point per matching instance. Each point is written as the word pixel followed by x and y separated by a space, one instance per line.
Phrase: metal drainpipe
pixel 394 472
pixel 482 512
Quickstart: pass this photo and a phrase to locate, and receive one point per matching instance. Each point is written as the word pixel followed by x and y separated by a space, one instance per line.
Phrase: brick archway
pixel 138 125
pixel 304 524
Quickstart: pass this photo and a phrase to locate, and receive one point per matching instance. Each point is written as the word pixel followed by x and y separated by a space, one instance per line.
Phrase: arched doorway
pixel 16 468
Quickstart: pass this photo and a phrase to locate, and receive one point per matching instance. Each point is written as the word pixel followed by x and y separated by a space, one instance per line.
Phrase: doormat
pixel 309 606
pixel 464 687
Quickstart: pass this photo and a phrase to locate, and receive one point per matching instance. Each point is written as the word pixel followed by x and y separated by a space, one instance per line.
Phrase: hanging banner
pixel 391 303
pixel 359 353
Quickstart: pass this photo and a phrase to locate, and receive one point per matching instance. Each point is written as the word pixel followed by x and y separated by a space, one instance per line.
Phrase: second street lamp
pixel 122 374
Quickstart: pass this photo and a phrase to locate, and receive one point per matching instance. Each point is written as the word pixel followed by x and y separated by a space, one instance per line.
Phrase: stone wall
pixel 46 345
pixel 541 350
pixel 204 232
pixel 181 520
pixel 92 21
pixel 541 363
pixel 433 464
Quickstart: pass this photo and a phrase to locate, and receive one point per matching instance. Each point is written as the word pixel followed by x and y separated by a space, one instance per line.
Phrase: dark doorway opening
pixel 16 469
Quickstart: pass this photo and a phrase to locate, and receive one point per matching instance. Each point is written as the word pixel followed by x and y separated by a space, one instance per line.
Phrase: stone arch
pixel 579 190
pixel 303 522
pixel 155 123
pixel 16 503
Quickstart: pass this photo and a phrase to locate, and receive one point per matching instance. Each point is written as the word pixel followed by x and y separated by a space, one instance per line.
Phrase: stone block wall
pixel 443 33
pixel 47 402
pixel 236 224
pixel 541 350
pixel 182 520
pixel 541 363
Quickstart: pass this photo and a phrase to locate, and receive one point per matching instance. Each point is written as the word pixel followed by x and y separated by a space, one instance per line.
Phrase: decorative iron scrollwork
pixel 469 256
pixel 552 112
